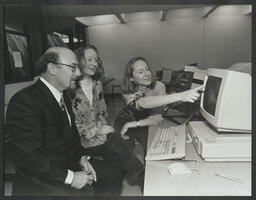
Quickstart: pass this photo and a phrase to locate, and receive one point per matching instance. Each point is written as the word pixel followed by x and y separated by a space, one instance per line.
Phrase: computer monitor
pixel 181 81
pixel 226 101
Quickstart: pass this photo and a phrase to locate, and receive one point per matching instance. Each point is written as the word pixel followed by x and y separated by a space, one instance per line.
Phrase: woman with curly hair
pixel 89 107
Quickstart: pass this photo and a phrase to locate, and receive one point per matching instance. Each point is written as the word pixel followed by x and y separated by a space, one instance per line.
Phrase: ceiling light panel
pixel 98 20
pixel 141 16
pixel 195 12
pixel 232 10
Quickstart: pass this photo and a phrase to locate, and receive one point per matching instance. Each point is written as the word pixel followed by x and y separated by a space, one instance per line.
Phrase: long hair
pixel 99 73
pixel 129 86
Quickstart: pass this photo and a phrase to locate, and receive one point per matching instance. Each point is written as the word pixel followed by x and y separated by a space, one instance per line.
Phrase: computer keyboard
pixel 168 143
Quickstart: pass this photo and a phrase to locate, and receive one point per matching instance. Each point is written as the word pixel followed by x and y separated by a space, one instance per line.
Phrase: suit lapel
pixel 48 95
pixel 53 105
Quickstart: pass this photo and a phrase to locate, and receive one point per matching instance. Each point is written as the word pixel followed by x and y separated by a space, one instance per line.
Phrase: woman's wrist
pixel 132 124
pixel 180 96
pixel 135 124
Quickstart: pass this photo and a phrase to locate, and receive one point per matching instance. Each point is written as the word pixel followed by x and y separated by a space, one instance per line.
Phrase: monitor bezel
pixel 220 73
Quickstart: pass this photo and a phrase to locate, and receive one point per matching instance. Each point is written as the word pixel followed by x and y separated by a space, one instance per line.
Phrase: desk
pixel 158 181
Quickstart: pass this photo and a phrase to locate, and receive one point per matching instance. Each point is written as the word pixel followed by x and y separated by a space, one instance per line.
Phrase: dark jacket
pixel 44 144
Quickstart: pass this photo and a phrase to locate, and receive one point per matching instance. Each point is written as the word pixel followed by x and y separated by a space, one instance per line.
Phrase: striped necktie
pixel 63 108
pixel 62 103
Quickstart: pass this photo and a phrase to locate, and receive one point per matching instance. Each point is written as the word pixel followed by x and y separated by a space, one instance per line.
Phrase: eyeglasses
pixel 73 66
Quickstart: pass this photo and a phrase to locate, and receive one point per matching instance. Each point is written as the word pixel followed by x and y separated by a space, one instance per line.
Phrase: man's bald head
pixel 52 55
pixel 58 50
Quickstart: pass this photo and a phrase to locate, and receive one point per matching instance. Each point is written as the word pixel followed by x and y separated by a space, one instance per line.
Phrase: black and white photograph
pixel 119 98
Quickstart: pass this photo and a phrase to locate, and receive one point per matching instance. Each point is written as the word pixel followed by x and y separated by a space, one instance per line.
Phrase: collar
pixel 143 89
pixel 82 83
pixel 56 93
pixel 85 83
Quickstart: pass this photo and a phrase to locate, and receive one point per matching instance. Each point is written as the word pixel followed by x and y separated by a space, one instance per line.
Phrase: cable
pixel 233 179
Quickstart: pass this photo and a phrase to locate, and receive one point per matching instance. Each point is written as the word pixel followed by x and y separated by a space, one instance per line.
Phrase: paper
pixel 17 59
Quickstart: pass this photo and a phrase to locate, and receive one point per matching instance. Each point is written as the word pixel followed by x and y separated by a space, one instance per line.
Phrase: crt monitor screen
pixel 211 94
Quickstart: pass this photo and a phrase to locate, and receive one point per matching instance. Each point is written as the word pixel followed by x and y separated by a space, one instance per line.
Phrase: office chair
pixel 159 75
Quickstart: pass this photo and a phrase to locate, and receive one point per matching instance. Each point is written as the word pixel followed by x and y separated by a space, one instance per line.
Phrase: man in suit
pixel 49 159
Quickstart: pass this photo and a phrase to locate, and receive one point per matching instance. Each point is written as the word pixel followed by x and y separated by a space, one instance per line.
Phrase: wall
pixel 227 41
pixel 14 20
pixel 217 41
pixel 26 20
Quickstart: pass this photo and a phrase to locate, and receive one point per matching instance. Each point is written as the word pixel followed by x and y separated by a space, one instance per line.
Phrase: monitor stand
pixel 213 146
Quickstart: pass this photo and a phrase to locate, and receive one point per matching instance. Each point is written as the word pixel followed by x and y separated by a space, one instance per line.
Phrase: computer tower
pixel 214 146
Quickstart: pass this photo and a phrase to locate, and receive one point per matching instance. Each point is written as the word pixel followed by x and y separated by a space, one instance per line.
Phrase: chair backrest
pixel 11 89
pixel 166 75
pixel 159 75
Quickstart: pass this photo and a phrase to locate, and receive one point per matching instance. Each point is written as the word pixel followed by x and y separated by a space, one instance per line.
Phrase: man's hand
pixel 87 167
pixel 81 179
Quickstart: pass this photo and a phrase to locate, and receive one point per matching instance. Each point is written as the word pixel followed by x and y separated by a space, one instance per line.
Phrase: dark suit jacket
pixel 44 145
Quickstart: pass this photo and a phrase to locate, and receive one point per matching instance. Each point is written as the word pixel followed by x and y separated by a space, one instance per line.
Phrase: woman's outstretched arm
pixel 156 101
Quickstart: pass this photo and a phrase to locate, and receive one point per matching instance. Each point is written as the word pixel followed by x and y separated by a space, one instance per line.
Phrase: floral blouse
pixel 89 118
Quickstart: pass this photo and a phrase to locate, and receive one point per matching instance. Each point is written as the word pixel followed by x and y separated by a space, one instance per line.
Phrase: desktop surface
pixel 202 182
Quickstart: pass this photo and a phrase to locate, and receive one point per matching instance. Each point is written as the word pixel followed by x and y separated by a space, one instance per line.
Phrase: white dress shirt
pixel 57 94
pixel 87 89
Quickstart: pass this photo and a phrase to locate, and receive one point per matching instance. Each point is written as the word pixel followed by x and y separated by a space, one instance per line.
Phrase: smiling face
pixel 90 62
pixel 141 73
pixel 64 75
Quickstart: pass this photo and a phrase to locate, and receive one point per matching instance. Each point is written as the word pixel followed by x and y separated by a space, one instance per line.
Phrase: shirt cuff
pixel 69 177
